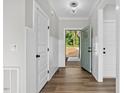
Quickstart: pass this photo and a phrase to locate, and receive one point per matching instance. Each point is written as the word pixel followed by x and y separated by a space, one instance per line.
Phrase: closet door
pixel 41 28
pixel 109 49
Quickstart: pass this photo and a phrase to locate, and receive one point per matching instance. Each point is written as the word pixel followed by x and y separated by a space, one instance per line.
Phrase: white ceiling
pixel 63 9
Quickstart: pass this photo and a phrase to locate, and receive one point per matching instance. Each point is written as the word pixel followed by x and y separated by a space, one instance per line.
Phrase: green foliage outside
pixel 72 39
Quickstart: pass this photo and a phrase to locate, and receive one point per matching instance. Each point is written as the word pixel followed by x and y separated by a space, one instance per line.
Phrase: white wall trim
pixel 10 68
pixel 109 77
pixel 73 29
pixel 100 45
pixel 39 8
pixel 28 28
pixel 69 18
pixel 109 21
pixel 54 71
pixel 96 78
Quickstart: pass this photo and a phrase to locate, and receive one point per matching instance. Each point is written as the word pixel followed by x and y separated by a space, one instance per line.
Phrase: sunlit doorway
pixel 72 48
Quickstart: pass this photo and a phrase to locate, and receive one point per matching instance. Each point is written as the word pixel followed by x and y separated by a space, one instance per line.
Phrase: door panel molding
pixel 41 23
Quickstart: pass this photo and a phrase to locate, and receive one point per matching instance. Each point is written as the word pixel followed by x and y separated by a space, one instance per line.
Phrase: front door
pixel 86 47
pixel 41 28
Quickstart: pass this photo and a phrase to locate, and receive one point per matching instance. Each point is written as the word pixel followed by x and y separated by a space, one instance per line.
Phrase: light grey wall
pixel 63 24
pixel 29 13
pixel 109 12
pixel 14 38
pixel 18 30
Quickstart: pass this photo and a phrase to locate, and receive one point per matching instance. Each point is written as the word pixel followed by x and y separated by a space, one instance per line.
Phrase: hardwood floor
pixel 76 80
pixel 72 64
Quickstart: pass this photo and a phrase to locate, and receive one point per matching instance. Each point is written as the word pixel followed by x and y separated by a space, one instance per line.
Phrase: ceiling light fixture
pixel 74 6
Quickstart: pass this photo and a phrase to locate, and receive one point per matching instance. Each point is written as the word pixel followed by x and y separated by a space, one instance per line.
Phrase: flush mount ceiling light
pixel 74 6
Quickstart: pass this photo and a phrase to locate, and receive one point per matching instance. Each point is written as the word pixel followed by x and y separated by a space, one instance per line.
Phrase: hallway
pixel 76 80
pixel 34 48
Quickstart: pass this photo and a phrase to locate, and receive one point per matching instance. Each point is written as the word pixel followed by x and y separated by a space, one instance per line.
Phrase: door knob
pixel 103 48
pixel 37 56
pixel 89 51
pixel 104 52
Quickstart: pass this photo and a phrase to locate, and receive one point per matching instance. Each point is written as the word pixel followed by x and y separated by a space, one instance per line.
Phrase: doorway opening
pixel 78 48
pixel 72 48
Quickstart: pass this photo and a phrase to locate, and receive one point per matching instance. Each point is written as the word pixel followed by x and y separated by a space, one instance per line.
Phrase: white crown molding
pixel 73 18
pixel 53 10
pixel 96 4
pixel 66 18
pixel 100 3
pixel 93 8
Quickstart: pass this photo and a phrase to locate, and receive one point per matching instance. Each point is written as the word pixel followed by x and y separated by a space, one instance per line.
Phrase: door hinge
pixel 48 71
pixel 48 27
pixel 48 49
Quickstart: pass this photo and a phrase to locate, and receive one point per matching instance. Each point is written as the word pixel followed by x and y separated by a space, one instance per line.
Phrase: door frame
pixel 100 29
pixel 65 41
pixel 100 45
pixel 80 29
pixel 37 6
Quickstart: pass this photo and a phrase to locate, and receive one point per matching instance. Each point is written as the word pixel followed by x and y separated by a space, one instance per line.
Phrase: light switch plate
pixel 13 47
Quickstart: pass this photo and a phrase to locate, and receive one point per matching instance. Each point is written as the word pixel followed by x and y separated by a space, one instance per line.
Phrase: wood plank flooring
pixel 76 80
pixel 72 64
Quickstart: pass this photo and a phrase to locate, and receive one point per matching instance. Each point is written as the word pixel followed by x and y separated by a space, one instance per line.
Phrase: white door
pixel 109 49
pixel 41 27
pixel 86 46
